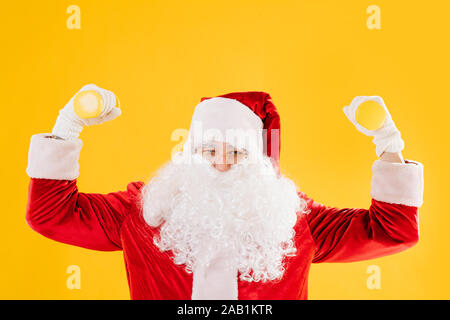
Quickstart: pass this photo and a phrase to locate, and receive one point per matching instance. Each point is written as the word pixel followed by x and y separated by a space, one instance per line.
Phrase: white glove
pixel 69 125
pixel 387 138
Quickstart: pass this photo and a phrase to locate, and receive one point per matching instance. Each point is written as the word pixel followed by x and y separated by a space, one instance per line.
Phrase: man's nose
pixel 220 163
pixel 222 167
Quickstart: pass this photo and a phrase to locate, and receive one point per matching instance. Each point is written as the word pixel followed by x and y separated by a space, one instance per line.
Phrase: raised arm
pixel 55 208
pixel 388 226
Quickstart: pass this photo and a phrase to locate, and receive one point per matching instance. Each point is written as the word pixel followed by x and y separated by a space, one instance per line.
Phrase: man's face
pixel 221 154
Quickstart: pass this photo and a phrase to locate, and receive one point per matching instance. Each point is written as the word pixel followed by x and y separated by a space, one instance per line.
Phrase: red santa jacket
pixel 114 221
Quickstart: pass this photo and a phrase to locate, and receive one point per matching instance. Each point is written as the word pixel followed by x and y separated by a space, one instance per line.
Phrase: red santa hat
pixel 252 112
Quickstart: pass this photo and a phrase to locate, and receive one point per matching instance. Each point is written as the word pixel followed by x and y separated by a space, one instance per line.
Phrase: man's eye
pixel 237 153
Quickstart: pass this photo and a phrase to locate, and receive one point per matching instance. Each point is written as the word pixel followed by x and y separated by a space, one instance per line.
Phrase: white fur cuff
pixel 50 158
pixel 400 183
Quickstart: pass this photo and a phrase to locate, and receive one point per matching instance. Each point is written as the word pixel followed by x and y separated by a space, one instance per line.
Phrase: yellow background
pixel 161 57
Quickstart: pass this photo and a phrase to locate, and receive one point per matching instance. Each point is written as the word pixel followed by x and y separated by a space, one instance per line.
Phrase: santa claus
pixel 220 220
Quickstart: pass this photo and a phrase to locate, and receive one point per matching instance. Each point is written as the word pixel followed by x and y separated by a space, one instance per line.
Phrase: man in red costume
pixel 219 220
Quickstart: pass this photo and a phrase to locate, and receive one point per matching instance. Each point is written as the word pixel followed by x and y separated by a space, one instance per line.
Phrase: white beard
pixel 247 210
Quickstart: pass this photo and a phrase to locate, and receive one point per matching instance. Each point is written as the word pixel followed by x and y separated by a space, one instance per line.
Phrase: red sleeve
pixel 58 211
pixel 350 234
pixel 388 226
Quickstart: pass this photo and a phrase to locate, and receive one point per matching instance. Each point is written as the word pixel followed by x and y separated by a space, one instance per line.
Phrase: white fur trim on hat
pixel 226 120
pixel 400 183
pixel 50 158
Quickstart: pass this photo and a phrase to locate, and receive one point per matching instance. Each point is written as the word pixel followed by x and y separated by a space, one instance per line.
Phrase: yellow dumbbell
pixel 89 104
pixel 370 115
